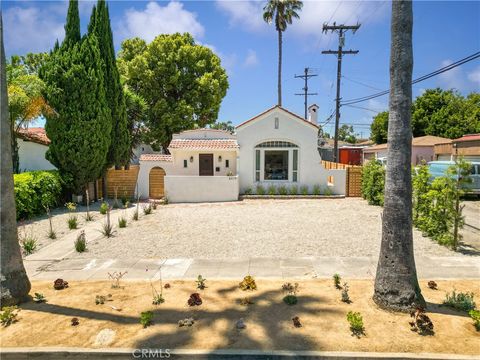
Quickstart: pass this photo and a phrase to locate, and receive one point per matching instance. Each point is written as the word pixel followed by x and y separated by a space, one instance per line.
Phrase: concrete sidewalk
pixel 436 268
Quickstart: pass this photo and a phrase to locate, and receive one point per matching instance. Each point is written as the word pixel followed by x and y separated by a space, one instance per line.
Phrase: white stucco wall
pixel 32 156
pixel 201 188
pixel 291 129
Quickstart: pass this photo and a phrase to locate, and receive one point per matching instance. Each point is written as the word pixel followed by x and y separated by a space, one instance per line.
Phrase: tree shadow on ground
pixel 269 323
pixel 467 249
pixel 444 310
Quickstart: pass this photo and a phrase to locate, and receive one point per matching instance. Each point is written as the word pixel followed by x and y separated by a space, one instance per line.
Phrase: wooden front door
pixel 157 186
pixel 206 165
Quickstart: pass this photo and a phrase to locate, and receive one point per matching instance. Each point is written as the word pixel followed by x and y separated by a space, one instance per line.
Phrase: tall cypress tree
pixel 80 129
pixel 72 26
pixel 119 151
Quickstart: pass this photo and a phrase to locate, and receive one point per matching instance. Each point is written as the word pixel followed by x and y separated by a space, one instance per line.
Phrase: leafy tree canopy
pixel 437 112
pixel 346 133
pixel 227 126
pixel 183 83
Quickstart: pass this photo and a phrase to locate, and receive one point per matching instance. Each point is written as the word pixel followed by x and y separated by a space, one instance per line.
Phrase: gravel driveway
pixel 256 228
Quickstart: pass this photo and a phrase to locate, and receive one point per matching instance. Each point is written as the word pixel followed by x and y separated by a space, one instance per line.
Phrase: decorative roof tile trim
pixel 200 144
pixel 156 157
pixel 469 137
pixel 36 135
pixel 281 108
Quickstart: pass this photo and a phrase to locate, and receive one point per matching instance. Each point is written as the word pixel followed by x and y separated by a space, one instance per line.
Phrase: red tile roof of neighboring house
pixel 204 144
pixel 279 107
pixel 468 137
pixel 36 135
pixel 156 157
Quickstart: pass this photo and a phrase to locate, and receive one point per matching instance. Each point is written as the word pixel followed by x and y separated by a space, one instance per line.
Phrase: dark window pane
pixel 227 163
pixel 295 160
pixel 257 160
pixel 276 165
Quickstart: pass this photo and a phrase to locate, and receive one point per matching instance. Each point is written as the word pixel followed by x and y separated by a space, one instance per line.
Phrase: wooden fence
pixel 124 181
pixel 353 174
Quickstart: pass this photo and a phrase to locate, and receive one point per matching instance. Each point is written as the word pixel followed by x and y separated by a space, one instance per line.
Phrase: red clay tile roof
pixel 273 107
pixel 156 157
pixel 36 135
pixel 204 144
pixel 469 137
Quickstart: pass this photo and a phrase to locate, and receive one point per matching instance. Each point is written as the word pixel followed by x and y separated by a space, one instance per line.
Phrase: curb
pixel 184 354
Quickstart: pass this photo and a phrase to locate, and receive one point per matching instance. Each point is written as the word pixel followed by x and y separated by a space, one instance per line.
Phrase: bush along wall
pixel 373 182
pixel 36 190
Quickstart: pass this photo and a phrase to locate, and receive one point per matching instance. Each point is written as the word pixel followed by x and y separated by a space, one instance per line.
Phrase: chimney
pixel 313 114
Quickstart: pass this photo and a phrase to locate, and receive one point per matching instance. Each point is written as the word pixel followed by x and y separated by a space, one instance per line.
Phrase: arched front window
pixel 276 144
pixel 276 160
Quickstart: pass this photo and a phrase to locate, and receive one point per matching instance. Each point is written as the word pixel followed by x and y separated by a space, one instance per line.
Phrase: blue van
pixel 439 168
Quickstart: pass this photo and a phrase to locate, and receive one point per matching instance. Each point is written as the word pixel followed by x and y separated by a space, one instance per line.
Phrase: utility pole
pixel 305 77
pixel 341 29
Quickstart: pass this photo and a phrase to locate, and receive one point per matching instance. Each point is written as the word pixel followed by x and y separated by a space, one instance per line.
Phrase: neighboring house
pixel 422 150
pixel 276 147
pixel 326 145
pixel 32 146
pixel 467 146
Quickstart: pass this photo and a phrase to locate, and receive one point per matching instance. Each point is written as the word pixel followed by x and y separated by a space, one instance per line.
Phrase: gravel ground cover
pixel 256 228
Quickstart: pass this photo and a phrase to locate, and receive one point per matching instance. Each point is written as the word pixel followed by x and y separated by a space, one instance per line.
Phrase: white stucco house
pixel 275 147
pixel 32 146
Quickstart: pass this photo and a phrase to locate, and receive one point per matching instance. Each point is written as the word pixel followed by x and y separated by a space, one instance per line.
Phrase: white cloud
pixel 451 79
pixel 156 19
pixel 247 14
pixel 31 29
pixel 251 59
pixel 474 76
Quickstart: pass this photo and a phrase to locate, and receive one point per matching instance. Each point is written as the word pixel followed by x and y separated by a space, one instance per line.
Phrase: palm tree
pixel 396 284
pixel 14 283
pixel 282 12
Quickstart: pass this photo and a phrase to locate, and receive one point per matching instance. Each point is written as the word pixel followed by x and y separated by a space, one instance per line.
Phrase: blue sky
pixel 444 31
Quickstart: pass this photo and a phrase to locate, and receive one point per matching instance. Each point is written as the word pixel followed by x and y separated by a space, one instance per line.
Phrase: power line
pixel 420 79
pixel 341 29
pixel 361 83
pixel 305 93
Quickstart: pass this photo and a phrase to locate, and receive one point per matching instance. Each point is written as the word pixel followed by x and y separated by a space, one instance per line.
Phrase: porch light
pixel 220 158
pixel 191 158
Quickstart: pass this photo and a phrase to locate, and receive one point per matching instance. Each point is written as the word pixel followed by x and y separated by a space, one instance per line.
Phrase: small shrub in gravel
pixel 336 281
pixel 81 242
pixel 293 190
pixel 282 190
pixel 122 222
pixel 104 208
pixel 260 190
pixel 248 191
pixel 475 315
pixel 272 190
pixel 460 301
pixel 317 190
pixel 304 190
pixel 356 323
pixel 146 318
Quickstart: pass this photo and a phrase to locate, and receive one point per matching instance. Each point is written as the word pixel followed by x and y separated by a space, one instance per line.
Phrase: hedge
pixel 373 182
pixel 36 189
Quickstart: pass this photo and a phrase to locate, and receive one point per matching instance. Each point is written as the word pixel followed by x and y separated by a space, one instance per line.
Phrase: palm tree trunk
pixel 396 284
pixel 14 283
pixel 279 68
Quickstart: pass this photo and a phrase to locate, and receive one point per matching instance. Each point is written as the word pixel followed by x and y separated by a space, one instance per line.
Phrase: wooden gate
pixel 354 181
pixel 354 177
pixel 156 183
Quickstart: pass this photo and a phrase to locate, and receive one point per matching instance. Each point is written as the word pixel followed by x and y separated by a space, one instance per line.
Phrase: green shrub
pixel 248 191
pixel 356 323
pixel 304 190
pixel 293 190
pixel 147 209
pixel 328 191
pixel 260 190
pixel 475 315
pixel 9 315
pixel 81 242
pixel 282 190
pixel 460 301
pixel 72 222
pixel 290 299
pixel 146 318
pixel 29 245
pixel 373 181
pixel 122 222
pixel 36 190
pixel 272 190
pixel 104 208
pixel 317 190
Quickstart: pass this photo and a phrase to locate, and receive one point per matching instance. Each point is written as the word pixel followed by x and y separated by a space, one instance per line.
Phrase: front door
pixel 206 164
